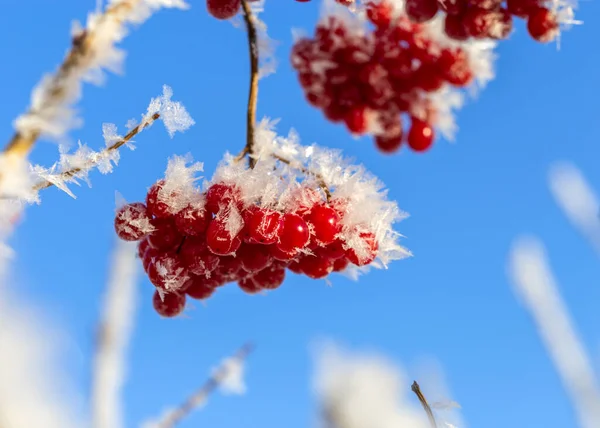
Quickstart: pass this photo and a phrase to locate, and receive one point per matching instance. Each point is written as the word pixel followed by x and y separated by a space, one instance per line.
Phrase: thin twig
pixel 253 92
pixel 115 146
pixel 196 399
pixel 417 390
pixel 21 143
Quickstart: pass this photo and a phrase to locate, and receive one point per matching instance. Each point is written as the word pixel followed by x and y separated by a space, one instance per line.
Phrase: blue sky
pixel 467 201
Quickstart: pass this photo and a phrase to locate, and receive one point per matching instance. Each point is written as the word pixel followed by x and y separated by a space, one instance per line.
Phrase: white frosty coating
pixel 53 115
pixel 366 198
pixel 577 199
pixel 173 115
pixel 179 189
pixel 364 391
pixel 116 327
pixel 535 284
pixel 173 277
pixel 132 222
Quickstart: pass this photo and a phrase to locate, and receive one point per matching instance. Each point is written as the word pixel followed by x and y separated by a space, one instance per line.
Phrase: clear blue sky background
pixel 467 202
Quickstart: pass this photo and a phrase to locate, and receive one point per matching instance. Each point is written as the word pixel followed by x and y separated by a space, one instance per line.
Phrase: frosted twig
pixel 66 175
pixel 534 282
pixel 218 379
pixel 304 170
pixel 253 92
pixel 113 337
pixel 417 390
pixel 92 51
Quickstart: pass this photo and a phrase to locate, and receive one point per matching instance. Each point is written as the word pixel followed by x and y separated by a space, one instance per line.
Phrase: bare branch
pixel 417 390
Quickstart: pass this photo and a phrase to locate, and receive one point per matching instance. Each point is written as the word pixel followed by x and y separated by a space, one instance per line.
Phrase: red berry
pixel 380 13
pixel 142 248
pixel 340 264
pixel 279 254
pixel 364 251
pixel 295 267
pixel 196 257
pixel 455 66
pixel 223 9
pixel 198 288
pixel 356 120
pixel 254 257
pixel 501 24
pixel 293 233
pixel 249 285
pixel 220 240
pixel 167 272
pixel 421 10
pixel 270 278
pixel 171 304
pixel 453 7
pixel 542 25
pixel 132 222
pixel 420 136
pixel 191 220
pixel 262 225
pixel 333 251
pixel 219 196
pixel 157 200
pixel 316 267
pixel 325 223
pixel 149 256
pixel 454 27
pixel 230 268
pixel 387 144
pixel 165 236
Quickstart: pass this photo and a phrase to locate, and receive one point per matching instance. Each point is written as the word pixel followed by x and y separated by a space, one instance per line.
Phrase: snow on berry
pixel 371 68
pixel 302 208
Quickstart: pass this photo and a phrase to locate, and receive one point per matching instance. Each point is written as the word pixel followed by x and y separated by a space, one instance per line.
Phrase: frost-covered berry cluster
pixel 299 208
pixel 367 77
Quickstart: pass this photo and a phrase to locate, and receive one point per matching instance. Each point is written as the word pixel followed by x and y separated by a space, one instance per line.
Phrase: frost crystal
pixel 51 112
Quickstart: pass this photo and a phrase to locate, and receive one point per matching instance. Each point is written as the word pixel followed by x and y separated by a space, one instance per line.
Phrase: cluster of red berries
pixel 482 19
pixel 366 80
pixel 218 239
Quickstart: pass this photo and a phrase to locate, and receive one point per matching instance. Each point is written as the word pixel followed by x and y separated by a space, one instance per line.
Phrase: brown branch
pixel 417 390
pixel 82 45
pixel 115 146
pixel 196 399
pixel 253 92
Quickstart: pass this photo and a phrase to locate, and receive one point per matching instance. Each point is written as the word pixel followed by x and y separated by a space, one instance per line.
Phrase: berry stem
pixel 253 92
pixel 200 396
pixel 115 146
pixel 417 390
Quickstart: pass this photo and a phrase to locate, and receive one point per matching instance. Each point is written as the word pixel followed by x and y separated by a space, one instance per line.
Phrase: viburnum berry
pixel 220 240
pixel 356 120
pixel 455 67
pixel 270 278
pixel 293 233
pixel 421 10
pixel 387 144
pixel 132 222
pixel 220 195
pixel 142 248
pixel 223 9
pixel 316 267
pixel 542 24
pixel 380 13
pixel 262 225
pixel 196 257
pixel 420 136
pixel 454 27
pixel 332 251
pixel 198 287
pixel 325 223
pixel 254 257
pixel 157 201
pixel 249 285
pixel 166 271
pixel 191 220
pixel 169 305
pixel 284 256
pixel 340 264
pixel 165 236
pixel 366 252
pixel 522 8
